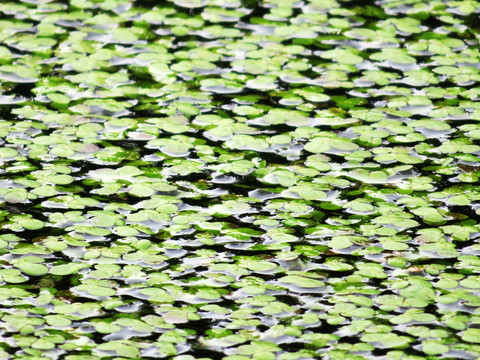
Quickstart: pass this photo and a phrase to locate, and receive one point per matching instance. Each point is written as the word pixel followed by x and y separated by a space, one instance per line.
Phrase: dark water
pixel 225 179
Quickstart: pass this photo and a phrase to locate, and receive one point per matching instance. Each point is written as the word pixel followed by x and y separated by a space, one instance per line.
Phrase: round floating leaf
pixel 340 242
pixel 302 281
pixel 17 195
pixel 66 269
pixel 221 86
pixel 6 153
pixel 434 348
pixel 471 336
pixel 33 269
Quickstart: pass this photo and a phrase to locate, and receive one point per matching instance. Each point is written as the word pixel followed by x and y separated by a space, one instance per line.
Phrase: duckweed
pixel 226 179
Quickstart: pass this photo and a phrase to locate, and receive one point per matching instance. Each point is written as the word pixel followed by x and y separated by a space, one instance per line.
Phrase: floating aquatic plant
pixel 227 179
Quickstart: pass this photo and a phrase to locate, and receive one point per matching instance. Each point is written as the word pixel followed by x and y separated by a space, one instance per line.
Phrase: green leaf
pixel 33 269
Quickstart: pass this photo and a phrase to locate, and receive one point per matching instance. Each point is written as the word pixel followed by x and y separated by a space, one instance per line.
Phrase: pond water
pixel 224 179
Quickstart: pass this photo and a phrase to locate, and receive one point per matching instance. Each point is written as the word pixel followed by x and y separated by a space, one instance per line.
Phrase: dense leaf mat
pixel 216 179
